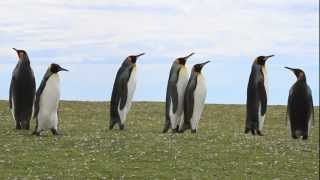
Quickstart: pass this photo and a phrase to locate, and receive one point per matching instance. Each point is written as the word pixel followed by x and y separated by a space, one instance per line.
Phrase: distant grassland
pixel 219 150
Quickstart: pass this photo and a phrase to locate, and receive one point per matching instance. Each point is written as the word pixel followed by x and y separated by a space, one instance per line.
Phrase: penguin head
pixel 183 60
pixel 55 68
pixel 298 72
pixel 132 59
pixel 261 60
pixel 198 67
pixel 22 54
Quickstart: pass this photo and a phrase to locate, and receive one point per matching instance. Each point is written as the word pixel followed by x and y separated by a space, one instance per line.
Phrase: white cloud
pixel 165 28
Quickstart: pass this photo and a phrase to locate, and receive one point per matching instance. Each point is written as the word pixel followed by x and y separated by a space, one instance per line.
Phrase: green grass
pixel 219 150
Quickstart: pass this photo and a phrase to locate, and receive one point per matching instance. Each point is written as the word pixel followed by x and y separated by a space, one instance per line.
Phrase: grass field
pixel 219 150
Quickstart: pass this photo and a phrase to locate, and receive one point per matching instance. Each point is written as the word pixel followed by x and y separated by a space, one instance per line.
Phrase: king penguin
pixel 257 95
pixel 47 101
pixel 194 99
pixel 177 83
pixel 123 90
pixel 300 106
pixel 22 91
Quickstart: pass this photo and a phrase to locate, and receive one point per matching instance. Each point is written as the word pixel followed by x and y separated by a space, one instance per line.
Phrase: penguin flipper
pixel 123 92
pixel 39 92
pixel 173 90
pixel 189 101
pixel 262 97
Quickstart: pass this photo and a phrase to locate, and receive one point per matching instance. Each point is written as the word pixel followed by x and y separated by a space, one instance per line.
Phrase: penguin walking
pixel 22 91
pixel 47 101
pixel 123 90
pixel 300 106
pixel 257 96
pixel 177 83
pixel 194 99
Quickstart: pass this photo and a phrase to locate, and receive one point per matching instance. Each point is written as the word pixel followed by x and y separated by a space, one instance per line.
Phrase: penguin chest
pixel 131 85
pixel 199 96
pixel 49 102
pixel 265 77
pixel 181 86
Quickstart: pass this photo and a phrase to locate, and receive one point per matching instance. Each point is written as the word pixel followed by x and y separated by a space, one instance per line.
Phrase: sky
pixel 91 38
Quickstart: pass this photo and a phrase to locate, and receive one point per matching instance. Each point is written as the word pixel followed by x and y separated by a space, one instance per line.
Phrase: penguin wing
pixel 173 90
pixel 262 97
pixel 290 98
pixel 189 99
pixel 123 87
pixel 39 92
pixel 123 92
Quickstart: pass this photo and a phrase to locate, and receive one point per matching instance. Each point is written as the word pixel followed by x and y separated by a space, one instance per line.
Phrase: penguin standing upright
pixel 178 80
pixel 47 101
pixel 300 106
pixel 122 92
pixel 257 93
pixel 22 91
pixel 194 99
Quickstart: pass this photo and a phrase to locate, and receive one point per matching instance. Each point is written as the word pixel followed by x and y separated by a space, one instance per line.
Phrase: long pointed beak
pixel 140 55
pixel 205 63
pixel 187 57
pixel 63 69
pixel 289 68
pixel 267 57
pixel 15 49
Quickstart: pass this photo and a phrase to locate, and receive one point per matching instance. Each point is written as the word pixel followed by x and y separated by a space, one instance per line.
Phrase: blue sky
pixel 92 38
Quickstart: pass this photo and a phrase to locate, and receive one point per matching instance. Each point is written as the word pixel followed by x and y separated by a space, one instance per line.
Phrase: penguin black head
pixel 54 68
pixel 261 60
pixel 298 72
pixel 198 67
pixel 132 59
pixel 183 60
pixel 22 54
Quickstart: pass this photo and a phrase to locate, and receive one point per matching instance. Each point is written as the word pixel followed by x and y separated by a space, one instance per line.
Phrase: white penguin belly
pixel 261 118
pixel 177 117
pixel 49 102
pixel 200 94
pixel 12 110
pixel 131 89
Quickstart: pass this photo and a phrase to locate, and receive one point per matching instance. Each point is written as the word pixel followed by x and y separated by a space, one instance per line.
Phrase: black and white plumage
pixel 47 101
pixel 177 82
pixel 257 96
pixel 22 91
pixel 123 90
pixel 194 99
pixel 300 110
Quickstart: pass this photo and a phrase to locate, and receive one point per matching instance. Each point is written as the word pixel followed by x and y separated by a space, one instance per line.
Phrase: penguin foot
pixel 246 131
pixel 111 125
pixel 121 126
pixel 259 133
pixel 193 130
pixel 176 130
pixel 166 128
pixel 18 126
pixel 36 133
pixel 305 137
pixel 55 132
pixel 294 137
pixel 253 132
